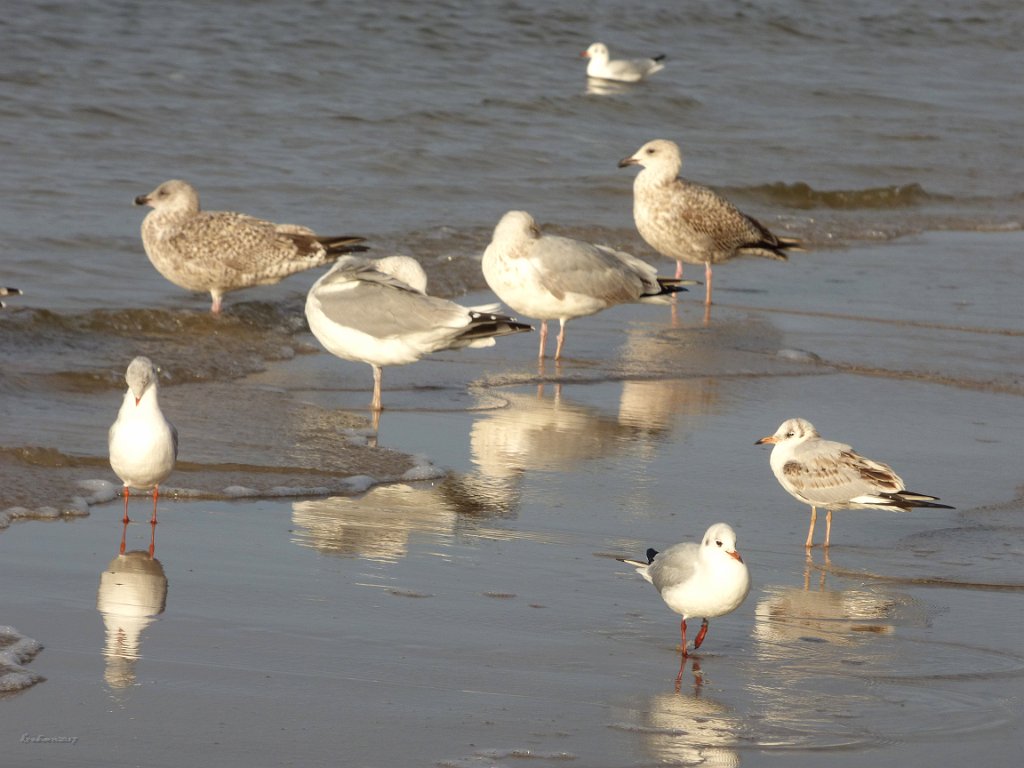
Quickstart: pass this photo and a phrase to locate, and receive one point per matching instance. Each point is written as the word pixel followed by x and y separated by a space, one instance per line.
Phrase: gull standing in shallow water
pixel 690 222
pixel 222 251
pixel 824 473
pixel 603 67
pixel 378 312
pixel 549 277
pixel 708 579
pixel 143 444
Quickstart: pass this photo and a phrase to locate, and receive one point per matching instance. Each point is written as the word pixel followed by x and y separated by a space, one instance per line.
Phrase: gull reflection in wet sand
pixel 536 432
pixel 688 728
pixel 788 617
pixel 132 593
pixel 374 526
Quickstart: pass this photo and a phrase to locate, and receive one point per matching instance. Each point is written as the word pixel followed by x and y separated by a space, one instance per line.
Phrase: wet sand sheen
pixel 378 610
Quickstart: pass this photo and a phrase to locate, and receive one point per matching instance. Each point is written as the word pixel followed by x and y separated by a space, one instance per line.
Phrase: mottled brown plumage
pixel 223 251
pixel 692 223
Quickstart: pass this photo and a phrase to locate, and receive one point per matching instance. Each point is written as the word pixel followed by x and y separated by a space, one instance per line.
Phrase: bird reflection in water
pixel 790 617
pixel 688 728
pixel 132 593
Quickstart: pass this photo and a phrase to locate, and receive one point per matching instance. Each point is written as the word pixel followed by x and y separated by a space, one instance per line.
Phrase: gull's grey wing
pixel 674 565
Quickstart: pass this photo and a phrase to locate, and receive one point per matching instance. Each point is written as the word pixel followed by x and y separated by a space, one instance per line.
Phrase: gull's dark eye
pixel 790 433
pixel 650 150
pixel 718 542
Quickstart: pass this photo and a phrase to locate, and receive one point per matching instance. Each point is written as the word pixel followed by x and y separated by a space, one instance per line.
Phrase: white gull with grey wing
pixel 378 312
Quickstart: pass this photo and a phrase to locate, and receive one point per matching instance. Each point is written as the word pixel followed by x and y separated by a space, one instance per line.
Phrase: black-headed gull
pixel 692 223
pixel 222 251
pixel 143 444
pixel 707 580
pixel 548 277
pixel 8 292
pixel 824 473
pixel 378 312
pixel 602 66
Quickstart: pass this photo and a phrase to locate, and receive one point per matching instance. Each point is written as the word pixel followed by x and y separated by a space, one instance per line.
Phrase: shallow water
pixel 443 590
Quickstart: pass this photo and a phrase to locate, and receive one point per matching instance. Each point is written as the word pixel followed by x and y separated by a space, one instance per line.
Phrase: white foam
pixel 15 650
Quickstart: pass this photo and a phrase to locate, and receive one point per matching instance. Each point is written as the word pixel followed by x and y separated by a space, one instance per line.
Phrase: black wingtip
pixel 651 554
pixel 659 57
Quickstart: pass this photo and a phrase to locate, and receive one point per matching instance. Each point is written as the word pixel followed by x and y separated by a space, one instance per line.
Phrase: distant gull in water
pixel 8 292
pixel 824 473
pixel 690 222
pixel 222 251
pixel 143 444
pixel 558 278
pixel 707 580
pixel 378 312
pixel 622 70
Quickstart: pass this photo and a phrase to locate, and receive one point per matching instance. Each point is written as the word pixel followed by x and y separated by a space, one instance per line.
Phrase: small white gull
pixel 558 278
pixel 602 66
pixel 223 251
pixel 378 312
pixel 692 223
pixel 143 444
pixel 707 580
pixel 824 473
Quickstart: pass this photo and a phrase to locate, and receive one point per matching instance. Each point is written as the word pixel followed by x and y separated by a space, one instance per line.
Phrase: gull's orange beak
pixel 769 439
pixel 735 554
pixel 137 399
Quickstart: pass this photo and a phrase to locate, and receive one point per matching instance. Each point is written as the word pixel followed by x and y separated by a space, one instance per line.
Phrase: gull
pixel 143 444
pixel 8 292
pixel 378 312
pixel 623 70
pixel 824 473
pixel 549 277
pixel 690 222
pixel 222 251
pixel 708 579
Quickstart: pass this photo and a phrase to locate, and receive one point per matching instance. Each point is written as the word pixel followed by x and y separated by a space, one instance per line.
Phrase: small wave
pixel 803 196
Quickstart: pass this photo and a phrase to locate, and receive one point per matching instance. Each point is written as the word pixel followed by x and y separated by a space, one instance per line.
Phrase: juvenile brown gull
pixel 549 277
pixel 602 66
pixel 707 580
pixel 378 312
pixel 824 473
pixel 222 251
pixel 143 444
pixel 690 222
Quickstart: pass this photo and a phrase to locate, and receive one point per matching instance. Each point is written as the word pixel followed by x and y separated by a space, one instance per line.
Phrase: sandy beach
pixel 478 618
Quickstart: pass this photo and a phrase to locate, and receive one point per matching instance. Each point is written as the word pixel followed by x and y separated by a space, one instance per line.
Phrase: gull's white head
pixel 660 157
pixel 174 196
pixel 404 268
pixel 721 537
pixel 596 52
pixel 516 226
pixel 792 431
pixel 140 376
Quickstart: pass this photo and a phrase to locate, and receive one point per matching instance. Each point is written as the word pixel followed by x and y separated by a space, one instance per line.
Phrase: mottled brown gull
pixel 378 312
pixel 690 222
pixel 824 473
pixel 558 278
pixel 602 66
pixel 223 251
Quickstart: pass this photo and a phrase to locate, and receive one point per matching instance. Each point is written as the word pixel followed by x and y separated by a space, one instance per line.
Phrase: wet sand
pixel 479 618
